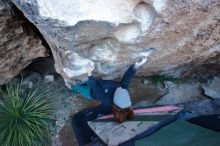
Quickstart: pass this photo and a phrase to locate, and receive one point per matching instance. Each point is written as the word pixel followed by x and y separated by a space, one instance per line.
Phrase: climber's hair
pixel 121 115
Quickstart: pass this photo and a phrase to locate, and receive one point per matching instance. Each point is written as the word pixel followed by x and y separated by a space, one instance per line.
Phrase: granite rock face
pixel 212 89
pixel 19 45
pixel 202 107
pixel 180 93
pixel 110 35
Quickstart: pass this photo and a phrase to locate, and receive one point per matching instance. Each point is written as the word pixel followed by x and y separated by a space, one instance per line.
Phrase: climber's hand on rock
pixel 143 54
pixel 140 63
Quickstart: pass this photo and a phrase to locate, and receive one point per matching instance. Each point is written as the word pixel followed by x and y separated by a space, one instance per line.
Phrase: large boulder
pixel 19 45
pixel 202 107
pixel 111 34
pixel 212 88
pixel 180 93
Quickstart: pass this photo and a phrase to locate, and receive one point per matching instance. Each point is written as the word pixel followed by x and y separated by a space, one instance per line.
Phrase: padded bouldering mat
pixel 145 121
pixel 181 133
pixel 211 122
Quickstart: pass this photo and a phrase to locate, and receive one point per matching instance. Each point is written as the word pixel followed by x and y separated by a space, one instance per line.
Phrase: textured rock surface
pixel 180 93
pixel 212 89
pixel 203 107
pixel 111 34
pixel 19 45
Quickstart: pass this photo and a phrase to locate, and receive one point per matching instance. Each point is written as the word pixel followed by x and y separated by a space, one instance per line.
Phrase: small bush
pixel 25 115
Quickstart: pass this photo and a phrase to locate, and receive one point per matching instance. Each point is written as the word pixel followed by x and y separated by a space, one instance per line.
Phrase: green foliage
pixel 25 115
pixel 161 78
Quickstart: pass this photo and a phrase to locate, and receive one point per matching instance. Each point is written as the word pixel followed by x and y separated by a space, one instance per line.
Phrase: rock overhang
pixel 114 11
pixel 111 36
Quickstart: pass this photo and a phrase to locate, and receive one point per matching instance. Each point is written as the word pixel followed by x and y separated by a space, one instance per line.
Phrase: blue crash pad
pixel 82 89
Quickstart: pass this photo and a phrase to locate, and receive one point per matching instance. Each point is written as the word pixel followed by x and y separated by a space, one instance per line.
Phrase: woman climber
pixel 114 99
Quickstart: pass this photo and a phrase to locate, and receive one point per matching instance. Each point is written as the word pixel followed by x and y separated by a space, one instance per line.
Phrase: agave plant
pixel 25 115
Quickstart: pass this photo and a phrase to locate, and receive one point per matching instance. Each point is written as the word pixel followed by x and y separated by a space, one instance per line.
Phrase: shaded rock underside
pixel 186 34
